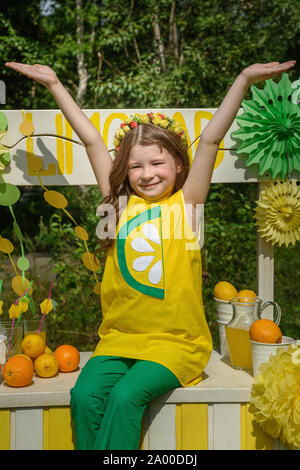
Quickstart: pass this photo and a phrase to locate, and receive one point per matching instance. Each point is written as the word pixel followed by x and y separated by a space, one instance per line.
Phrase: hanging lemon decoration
pixel 55 199
pixel 81 233
pixel 26 128
pixel 97 288
pixel 20 285
pixel 90 261
pixel 6 246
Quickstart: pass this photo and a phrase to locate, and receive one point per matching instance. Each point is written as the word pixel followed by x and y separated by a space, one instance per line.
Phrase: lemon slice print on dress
pixel 140 253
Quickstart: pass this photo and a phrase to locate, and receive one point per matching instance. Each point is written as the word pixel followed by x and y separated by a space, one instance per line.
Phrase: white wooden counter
pixel 213 414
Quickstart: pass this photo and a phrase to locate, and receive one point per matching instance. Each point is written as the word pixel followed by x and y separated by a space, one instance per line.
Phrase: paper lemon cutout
pixel 55 199
pixel 81 233
pixel 139 250
pixel 9 194
pixel 90 261
pixel 97 288
pixel 23 263
pixel 20 286
pixel 6 246
pixel 26 128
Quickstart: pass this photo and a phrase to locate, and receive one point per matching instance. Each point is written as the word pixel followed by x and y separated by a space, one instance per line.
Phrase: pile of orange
pixel 224 290
pixel 18 371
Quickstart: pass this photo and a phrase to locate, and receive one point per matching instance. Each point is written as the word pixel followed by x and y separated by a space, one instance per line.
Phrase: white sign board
pixel 66 163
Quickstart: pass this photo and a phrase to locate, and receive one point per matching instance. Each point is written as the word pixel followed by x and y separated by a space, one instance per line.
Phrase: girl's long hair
pixel 143 134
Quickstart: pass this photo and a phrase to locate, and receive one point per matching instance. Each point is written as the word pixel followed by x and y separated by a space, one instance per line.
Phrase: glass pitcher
pixel 245 312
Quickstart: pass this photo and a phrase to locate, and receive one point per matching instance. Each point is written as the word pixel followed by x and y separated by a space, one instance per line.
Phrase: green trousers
pixel 109 399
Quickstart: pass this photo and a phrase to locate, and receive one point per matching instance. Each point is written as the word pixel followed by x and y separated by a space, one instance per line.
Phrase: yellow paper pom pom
pixel 126 129
pixel 177 130
pixel 275 398
pixel 116 142
pixel 46 306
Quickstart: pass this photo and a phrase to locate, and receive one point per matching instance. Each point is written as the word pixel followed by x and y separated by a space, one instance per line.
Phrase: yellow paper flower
pixel 156 121
pixel 278 213
pixel 46 306
pixel 14 311
pixel 145 118
pixel 120 134
pixel 177 130
pixel 275 396
pixel 164 123
pixel 1 307
pixel 126 129
pixel 116 142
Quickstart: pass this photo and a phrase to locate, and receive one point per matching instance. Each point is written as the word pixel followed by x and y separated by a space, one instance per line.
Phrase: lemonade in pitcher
pixel 239 347
pixel 245 312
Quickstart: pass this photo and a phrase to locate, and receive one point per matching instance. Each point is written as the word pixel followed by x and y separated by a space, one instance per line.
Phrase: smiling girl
pixel 153 335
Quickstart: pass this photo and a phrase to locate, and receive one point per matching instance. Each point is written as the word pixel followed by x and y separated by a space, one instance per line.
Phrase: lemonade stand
pixel 216 413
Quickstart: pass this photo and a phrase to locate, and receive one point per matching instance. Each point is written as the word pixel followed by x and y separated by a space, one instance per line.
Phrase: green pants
pixel 109 399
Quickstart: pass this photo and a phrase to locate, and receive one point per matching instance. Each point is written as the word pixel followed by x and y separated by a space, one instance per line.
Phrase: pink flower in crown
pixel 161 115
pixel 117 149
pixel 151 116
pixel 133 124
pixel 123 125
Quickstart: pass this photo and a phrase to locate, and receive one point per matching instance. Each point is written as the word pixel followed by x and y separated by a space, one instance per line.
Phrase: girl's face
pixel 152 171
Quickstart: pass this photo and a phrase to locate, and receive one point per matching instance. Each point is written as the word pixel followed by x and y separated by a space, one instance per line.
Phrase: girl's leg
pixel 89 395
pixel 121 425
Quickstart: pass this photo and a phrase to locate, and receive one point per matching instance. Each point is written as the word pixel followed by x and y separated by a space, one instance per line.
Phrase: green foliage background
pixel 201 48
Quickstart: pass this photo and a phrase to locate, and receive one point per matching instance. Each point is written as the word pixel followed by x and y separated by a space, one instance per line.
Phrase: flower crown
pixel 157 119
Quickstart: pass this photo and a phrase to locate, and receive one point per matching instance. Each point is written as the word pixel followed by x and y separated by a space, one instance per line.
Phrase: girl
pixel 153 336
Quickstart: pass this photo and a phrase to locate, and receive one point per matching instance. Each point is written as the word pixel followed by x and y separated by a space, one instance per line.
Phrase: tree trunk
pixel 159 42
pixel 173 35
pixel 83 75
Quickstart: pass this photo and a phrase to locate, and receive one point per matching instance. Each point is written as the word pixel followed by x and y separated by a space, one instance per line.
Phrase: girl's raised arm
pixel 95 147
pixel 197 184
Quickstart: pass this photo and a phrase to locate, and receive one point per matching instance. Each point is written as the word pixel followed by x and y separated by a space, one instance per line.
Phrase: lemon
pixel 223 290
pixel 33 345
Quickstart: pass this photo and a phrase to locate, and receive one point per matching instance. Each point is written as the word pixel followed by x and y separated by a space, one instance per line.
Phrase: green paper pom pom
pixel 269 130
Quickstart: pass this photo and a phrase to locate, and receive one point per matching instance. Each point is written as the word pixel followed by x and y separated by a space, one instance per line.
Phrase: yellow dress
pixel 151 292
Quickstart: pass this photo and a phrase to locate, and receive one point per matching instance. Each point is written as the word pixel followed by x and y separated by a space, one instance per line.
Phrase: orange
pixel 265 331
pixel 18 371
pixel 224 291
pixel 46 365
pixel 246 295
pixel 68 357
pixel 33 345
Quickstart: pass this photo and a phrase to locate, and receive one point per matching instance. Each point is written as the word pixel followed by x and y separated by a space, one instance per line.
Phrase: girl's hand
pixel 41 73
pixel 257 72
